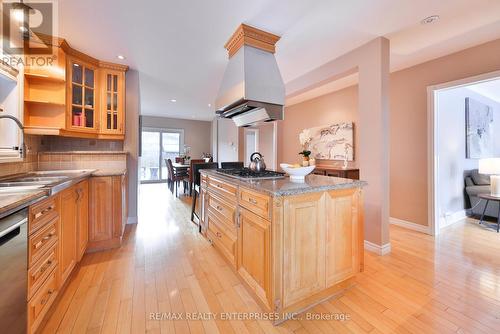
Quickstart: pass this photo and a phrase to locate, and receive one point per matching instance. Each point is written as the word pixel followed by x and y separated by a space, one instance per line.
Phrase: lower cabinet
pixel 254 259
pixel 68 233
pixel 107 212
pixel 82 210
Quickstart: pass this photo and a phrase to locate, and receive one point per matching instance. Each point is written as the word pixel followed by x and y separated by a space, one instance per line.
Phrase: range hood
pixel 252 90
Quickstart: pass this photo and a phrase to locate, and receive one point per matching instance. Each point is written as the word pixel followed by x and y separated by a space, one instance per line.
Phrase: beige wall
pixel 408 122
pixel 408 106
pixel 339 106
pixel 197 134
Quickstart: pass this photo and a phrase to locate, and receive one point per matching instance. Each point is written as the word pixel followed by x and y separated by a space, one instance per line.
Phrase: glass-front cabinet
pixel 112 101
pixel 83 113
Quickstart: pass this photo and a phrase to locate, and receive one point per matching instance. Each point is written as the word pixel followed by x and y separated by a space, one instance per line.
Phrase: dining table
pixel 179 167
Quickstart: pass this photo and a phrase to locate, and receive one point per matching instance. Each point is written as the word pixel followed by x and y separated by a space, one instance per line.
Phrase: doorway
pixel 158 145
pixel 455 148
pixel 251 143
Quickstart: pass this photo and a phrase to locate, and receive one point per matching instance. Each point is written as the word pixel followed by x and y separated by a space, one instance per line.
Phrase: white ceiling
pixel 177 46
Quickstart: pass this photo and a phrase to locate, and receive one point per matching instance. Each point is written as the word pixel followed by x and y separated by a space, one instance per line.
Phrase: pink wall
pixel 408 122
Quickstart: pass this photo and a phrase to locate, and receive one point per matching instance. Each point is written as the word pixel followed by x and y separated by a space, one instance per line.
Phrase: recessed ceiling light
pixel 173 100
pixel 430 19
pixel 120 57
pixel 209 105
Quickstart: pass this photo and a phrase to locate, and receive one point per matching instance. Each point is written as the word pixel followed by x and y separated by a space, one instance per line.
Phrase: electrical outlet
pixel 1 108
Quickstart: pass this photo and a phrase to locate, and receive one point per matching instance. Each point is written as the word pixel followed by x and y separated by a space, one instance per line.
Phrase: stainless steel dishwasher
pixel 14 272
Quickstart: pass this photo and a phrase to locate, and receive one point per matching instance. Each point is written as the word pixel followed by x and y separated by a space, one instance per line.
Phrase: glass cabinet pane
pixel 89 77
pixel 108 83
pixel 108 120
pixel 108 101
pixel 89 118
pixel 115 83
pixel 89 98
pixel 77 73
pixel 115 101
pixel 115 121
pixel 76 116
pixel 77 95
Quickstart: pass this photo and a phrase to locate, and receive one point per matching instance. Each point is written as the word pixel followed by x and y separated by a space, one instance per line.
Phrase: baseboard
pixel 131 220
pixel 444 222
pixel 379 250
pixel 410 225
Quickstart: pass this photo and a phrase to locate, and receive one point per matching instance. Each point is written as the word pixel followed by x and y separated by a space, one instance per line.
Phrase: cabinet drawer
pixel 223 241
pixel 41 241
pixel 255 202
pixel 224 211
pixel 41 213
pixel 41 301
pixel 41 270
pixel 203 180
pixel 222 188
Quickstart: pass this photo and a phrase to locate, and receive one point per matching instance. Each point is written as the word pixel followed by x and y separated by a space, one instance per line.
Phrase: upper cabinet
pixel 112 101
pixel 77 96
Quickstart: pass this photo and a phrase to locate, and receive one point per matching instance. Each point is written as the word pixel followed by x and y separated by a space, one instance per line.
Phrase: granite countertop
pixel 287 187
pixel 12 202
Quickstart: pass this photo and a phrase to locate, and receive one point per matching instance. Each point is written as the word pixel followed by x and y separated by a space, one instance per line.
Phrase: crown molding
pixel 247 35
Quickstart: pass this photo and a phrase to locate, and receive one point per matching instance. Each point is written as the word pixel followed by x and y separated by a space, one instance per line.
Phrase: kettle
pixel 257 163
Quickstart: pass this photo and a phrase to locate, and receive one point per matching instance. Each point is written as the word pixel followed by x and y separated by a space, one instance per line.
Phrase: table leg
pixel 484 212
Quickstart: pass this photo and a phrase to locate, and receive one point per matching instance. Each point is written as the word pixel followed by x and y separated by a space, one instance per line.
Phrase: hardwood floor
pixel 450 284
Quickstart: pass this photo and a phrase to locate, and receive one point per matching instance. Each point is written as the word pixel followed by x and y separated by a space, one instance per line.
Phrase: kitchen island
pixel 293 244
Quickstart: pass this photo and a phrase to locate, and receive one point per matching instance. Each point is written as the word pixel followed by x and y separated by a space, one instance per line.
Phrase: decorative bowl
pixel 297 173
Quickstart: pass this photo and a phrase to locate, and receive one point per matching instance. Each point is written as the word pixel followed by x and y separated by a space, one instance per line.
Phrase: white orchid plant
pixel 304 139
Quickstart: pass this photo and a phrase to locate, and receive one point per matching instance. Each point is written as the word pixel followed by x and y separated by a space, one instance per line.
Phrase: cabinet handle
pixel 44 211
pixel 48 296
pixel 46 266
pixel 238 224
pixel 48 236
pixel 219 208
pixel 218 235
pixel 251 200
pixel 218 186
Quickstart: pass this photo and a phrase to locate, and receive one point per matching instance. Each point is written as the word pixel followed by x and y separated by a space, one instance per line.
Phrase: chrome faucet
pixel 21 149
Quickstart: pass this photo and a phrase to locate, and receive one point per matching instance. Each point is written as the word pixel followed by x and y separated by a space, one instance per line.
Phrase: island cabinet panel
pixel 304 228
pixel 254 246
pixel 225 211
pixel 342 254
pixel 255 202
pixel 68 228
pixel 221 238
pixel 223 188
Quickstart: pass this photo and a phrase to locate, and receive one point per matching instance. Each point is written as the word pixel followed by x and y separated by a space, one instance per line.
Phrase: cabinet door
pixel 68 231
pixel 101 208
pixel 342 260
pixel 118 201
pixel 83 218
pixel 112 102
pixel 254 246
pixel 82 113
pixel 303 246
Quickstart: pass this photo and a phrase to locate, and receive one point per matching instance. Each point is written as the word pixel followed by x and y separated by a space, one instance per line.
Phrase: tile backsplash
pixel 82 160
pixel 54 143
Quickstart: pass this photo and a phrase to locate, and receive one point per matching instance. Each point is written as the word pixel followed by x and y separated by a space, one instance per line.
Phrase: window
pixel 158 145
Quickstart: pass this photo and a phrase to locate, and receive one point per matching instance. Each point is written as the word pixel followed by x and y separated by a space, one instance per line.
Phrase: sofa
pixel 476 184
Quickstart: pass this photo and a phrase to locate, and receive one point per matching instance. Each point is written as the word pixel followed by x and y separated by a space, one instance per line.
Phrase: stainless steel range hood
pixel 252 90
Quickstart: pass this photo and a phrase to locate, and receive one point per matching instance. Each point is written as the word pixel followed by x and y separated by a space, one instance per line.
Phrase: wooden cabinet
pixel 254 253
pixel 68 233
pixel 342 245
pixel 82 111
pixel 112 85
pixel 79 96
pixel 304 227
pixel 107 212
pixel 82 209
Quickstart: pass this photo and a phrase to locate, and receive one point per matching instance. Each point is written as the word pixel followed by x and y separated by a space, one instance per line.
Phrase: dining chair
pixel 174 178
pixel 231 165
pixel 190 173
pixel 196 181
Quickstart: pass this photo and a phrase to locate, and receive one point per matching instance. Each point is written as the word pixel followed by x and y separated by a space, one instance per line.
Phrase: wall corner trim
pixel 379 250
pixel 131 220
pixel 410 226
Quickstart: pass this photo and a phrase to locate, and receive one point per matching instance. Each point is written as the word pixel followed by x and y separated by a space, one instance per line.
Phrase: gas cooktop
pixel 247 174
